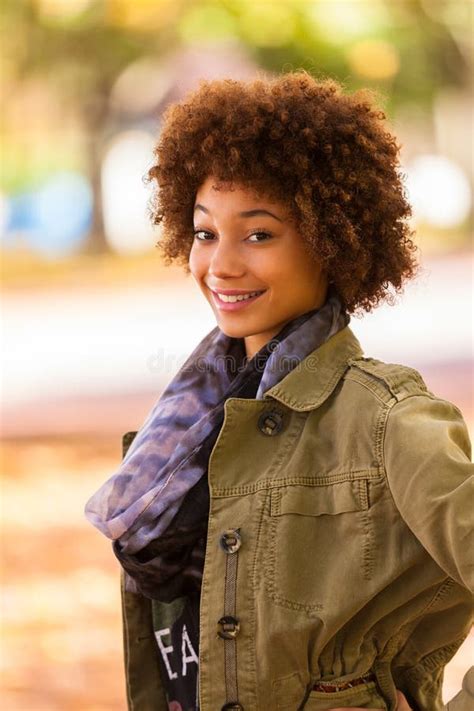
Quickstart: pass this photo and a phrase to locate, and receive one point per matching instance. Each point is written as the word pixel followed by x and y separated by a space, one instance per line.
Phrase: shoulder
pixel 388 382
pixel 401 390
pixel 411 412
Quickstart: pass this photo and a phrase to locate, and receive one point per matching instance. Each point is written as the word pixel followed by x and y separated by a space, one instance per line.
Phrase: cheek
pixel 270 266
pixel 296 281
pixel 196 263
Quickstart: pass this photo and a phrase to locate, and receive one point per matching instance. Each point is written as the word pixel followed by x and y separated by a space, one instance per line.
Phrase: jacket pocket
pixel 318 541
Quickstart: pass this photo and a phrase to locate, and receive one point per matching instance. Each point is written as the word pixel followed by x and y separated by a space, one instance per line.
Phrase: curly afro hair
pixel 326 155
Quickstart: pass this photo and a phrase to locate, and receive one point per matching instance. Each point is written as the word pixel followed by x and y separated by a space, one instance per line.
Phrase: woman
pixel 292 516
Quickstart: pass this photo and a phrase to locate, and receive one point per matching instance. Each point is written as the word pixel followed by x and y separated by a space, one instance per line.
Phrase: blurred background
pixel 94 325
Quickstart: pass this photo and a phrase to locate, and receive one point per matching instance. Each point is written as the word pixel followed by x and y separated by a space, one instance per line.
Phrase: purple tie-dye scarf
pixel 155 507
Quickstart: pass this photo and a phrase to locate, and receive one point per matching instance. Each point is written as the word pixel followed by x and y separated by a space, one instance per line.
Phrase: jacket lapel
pixel 312 381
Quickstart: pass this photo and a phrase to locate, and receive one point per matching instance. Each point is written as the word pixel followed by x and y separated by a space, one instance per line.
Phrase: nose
pixel 226 260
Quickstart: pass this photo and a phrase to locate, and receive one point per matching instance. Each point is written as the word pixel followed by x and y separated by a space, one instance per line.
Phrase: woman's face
pixel 244 244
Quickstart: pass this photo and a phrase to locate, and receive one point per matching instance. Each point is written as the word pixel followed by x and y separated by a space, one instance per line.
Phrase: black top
pixel 176 627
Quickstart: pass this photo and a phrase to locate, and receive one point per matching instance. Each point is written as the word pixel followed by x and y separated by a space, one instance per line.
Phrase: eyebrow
pixel 246 213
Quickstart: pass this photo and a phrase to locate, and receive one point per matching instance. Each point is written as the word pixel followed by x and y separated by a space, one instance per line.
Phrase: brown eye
pixel 202 238
pixel 266 236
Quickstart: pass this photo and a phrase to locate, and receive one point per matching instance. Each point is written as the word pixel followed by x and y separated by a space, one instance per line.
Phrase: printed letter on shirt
pixel 165 651
pixel 186 642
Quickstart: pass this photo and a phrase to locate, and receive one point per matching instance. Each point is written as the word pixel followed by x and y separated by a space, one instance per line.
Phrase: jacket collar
pixel 312 381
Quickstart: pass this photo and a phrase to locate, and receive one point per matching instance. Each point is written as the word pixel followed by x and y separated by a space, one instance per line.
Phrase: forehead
pixel 215 193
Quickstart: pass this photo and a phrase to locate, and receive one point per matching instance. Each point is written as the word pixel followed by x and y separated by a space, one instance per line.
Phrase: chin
pixel 232 332
pixel 242 330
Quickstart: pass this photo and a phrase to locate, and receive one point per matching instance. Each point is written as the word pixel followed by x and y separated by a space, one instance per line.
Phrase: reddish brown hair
pixel 325 154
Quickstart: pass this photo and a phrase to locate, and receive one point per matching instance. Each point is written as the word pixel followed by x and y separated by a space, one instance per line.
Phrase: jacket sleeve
pixel 427 455
pixel 427 460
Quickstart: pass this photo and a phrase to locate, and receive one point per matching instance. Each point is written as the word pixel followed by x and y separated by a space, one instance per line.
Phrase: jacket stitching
pixel 368 548
pixel 379 435
pixel 283 397
pixel 399 388
pixel 367 531
pixel 363 494
pixel 365 381
pixel 432 661
pixel 251 616
pixel 326 480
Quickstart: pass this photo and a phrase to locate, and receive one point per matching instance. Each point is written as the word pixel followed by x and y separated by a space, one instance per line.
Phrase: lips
pixel 235 292
pixel 236 305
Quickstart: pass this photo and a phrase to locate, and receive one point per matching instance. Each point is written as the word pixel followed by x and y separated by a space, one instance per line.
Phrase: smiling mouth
pixel 232 298
pixel 235 302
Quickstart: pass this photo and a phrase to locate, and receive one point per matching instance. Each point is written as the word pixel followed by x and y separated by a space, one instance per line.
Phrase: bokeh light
pixel 63 210
pixel 54 219
pixel 62 9
pixel 140 88
pixel 5 215
pixel 124 196
pixel 342 21
pixel 374 59
pixel 439 191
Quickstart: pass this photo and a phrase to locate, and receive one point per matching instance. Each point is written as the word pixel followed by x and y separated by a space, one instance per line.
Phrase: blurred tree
pixel 408 49
pixel 436 46
pixel 81 47
pixel 431 38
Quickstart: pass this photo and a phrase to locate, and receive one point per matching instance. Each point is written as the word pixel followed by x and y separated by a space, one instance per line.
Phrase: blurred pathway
pixel 78 354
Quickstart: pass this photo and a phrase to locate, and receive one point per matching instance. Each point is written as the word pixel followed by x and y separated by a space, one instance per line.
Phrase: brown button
pixel 228 627
pixel 232 706
pixel 230 541
pixel 271 422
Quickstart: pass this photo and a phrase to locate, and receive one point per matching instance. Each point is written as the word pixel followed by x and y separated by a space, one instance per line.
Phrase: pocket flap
pixel 335 498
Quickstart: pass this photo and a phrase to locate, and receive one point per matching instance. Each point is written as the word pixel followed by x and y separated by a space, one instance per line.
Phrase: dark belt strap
pixel 330 687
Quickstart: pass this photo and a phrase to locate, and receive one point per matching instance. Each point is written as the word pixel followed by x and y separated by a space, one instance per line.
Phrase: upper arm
pixel 427 461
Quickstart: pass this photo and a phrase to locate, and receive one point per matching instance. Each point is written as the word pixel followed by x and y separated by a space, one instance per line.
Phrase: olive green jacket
pixel 338 545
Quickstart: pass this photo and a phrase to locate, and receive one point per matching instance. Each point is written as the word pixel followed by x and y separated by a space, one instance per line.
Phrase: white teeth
pixel 240 297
